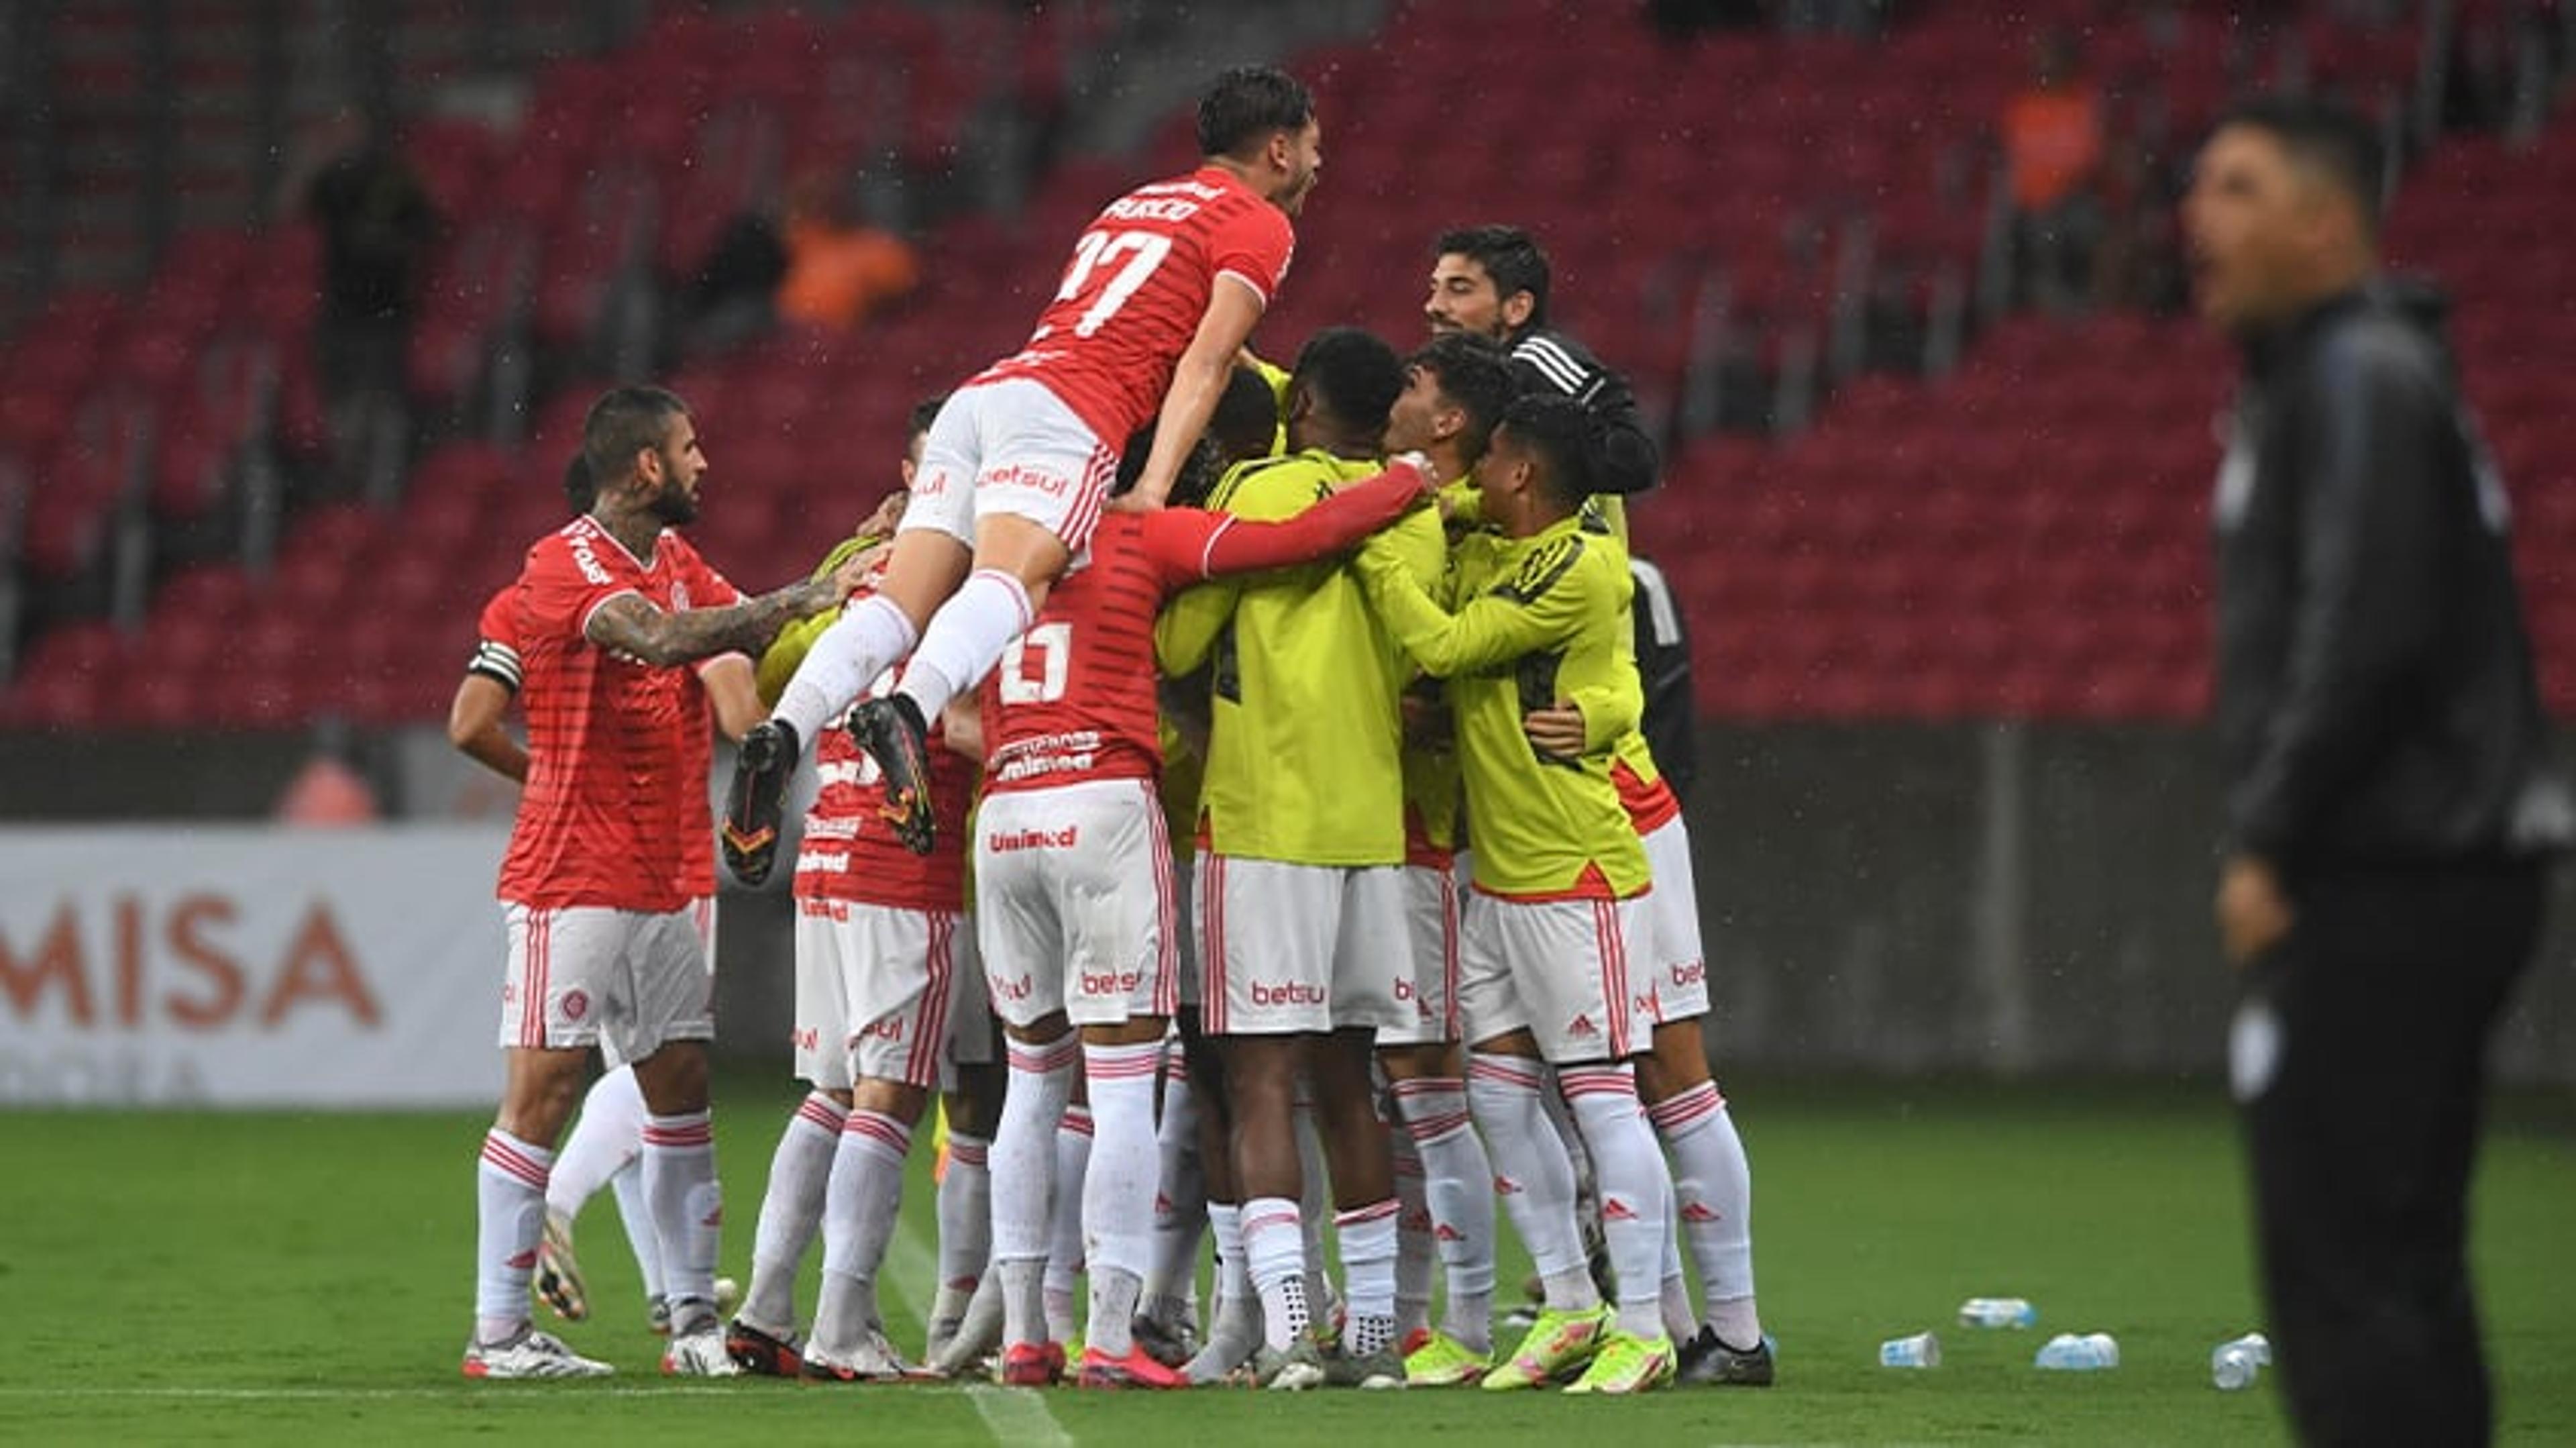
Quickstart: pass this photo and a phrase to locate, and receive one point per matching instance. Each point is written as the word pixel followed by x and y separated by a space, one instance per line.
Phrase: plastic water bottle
pixel 2014 1312
pixel 2233 1365
pixel 1922 1350
pixel 2069 1353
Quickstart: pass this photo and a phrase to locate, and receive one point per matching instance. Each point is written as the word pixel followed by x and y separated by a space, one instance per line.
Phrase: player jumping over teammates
pixel 1161 294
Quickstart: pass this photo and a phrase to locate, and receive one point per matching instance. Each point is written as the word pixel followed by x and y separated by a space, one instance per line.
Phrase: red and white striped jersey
pixel 850 852
pixel 615 810
pixel 1133 294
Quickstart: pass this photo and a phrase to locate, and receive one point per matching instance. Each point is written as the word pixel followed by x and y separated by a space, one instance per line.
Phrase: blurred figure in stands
pixel 2052 139
pixel 377 221
pixel 328 791
pixel 839 269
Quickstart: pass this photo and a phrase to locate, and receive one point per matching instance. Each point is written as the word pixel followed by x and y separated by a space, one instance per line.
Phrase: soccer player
pixel 1163 290
pixel 1712 1180
pixel 1070 832
pixel 607 1140
pixel 1559 873
pixel 603 940
pixel 1454 393
pixel 1301 896
pixel 888 994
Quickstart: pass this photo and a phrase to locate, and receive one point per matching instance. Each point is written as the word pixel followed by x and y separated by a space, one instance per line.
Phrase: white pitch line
pixel 1014 1415
pixel 1018 1415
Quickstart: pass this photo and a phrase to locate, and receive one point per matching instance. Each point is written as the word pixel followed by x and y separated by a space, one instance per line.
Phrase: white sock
pixel 1531 1173
pixel 1368 1274
pixel 1065 1245
pixel 1416 1247
pixel 869 635
pixel 1457 1180
pixel 1673 1294
pixel 1713 1186
pixel 1023 1176
pixel 1233 1269
pixel 688 1210
pixel 604 1141
pixel 1180 1199
pixel 635 1214
pixel 1118 1186
pixel 965 1226
pixel 1274 1252
pixel 1021 1279
pixel 791 1211
pixel 859 1210
pixel 1237 1316
pixel 510 1217
pixel 1314 1202
pixel 965 639
pixel 1631 1175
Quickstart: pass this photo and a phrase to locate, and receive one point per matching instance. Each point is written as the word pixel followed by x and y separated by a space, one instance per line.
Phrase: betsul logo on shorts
pixel 1004 988
pixel 1111 982
pixel 1289 993
pixel 1691 974
pixel 883 1028
pixel 1036 480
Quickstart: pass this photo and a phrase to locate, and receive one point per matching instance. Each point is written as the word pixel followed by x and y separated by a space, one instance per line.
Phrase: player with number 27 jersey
pixel 1138 283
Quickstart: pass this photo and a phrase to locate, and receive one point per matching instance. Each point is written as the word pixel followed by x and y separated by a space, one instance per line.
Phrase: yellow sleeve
pixel 1462 505
pixel 1263 490
pixel 1542 604
pixel 1188 627
pixel 778 662
pixel 1613 511
pixel 1610 711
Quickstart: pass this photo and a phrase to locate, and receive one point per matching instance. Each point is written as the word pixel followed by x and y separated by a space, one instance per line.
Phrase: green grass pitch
pixel 307 1278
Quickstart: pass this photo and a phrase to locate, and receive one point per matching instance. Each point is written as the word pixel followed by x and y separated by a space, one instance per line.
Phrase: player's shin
pixel 1631 1175
pixel 850 654
pixel 1531 1174
pixel 791 1211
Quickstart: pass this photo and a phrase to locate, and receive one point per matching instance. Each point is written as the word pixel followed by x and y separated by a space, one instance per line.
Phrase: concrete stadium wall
pixel 1992 899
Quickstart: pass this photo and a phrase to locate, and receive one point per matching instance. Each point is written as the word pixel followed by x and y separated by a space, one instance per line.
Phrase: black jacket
pixel 1664 669
pixel 1550 361
pixel 2376 702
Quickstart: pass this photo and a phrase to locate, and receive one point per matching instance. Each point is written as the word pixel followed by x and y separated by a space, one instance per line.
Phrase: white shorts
pixel 1011 447
pixel 1073 900
pixel 882 993
pixel 625 980
pixel 1300 948
pixel 1667 941
pixel 702 917
pixel 1431 989
pixel 1558 968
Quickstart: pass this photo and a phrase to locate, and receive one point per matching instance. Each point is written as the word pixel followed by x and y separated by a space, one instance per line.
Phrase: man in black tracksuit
pixel 2389 802
pixel 1493 281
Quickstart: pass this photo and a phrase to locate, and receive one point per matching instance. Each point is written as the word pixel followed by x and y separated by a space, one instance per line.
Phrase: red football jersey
pixel 496 639
pixel 615 809
pixel 1131 298
pixel 850 852
pixel 1073 698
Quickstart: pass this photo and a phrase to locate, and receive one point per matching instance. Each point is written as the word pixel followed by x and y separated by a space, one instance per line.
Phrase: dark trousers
pixel 2385 995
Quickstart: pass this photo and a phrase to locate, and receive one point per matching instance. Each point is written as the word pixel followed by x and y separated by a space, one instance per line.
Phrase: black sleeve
pixel 2373 435
pixel 1630 460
